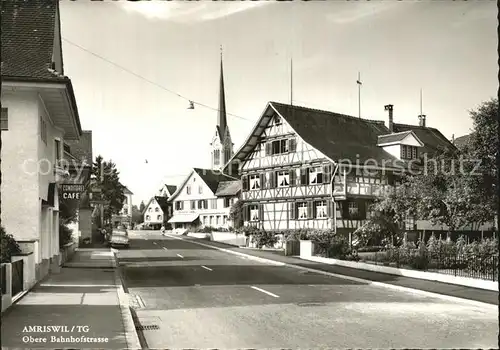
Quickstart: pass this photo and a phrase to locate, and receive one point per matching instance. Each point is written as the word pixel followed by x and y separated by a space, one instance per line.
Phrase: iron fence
pixel 480 266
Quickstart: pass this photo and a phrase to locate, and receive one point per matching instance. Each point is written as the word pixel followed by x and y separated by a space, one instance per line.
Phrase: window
pixel 57 151
pixel 315 176
pixel 150 209
pixel 254 213
pixel 125 200
pixel 188 189
pixel 254 182
pixel 217 222
pixel 227 202
pixel 148 217
pixel 211 220
pixel 43 130
pixel 409 152
pixel 217 157
pixel 410 223
pixel 203 204
pixel 321 210
pixel 225 220
pixel 4 119
pixel 179 205
pixel 157 209
pixel 158 218
pixel 193 205
pixel 200 189
pixel 279 146
pixel 302 210
pixel 353 209
pixel 205 220
pixel 213 204
pixel 283 178
pixel 125 211
pixel 277 120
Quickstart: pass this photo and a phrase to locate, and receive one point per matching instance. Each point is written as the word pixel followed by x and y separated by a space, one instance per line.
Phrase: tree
pixel 482 150
pixel 107 177
pixel 142 207
pixel 236 214
pixel 137 216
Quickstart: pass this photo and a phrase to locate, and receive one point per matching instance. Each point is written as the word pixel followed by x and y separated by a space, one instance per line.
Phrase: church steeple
pixel 222 146
pixel 221 117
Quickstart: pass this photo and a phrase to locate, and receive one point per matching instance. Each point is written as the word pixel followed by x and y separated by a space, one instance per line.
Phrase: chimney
pixel 421 120
pixel 391 123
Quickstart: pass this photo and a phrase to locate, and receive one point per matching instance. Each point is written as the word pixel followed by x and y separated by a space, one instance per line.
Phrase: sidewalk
pixel 485 296
pixel 83 302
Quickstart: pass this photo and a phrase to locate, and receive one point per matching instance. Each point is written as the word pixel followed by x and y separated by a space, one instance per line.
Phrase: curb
pixel 355 279
pixel 131 336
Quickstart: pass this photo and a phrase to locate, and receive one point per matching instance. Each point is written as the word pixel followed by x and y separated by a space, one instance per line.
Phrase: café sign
pixel 72 191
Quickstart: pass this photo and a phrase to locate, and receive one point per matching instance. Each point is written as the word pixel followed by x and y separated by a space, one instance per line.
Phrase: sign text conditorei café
pixel 72 191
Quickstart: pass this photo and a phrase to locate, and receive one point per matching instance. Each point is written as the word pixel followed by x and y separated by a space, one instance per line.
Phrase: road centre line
pixel 265 291
pixel 180 256
pixel 207 268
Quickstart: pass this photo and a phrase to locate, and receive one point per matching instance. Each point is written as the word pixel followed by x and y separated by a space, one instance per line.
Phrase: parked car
pixel 119 238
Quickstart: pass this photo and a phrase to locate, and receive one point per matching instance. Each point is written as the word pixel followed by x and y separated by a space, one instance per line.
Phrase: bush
pixel 8 246
pixel 249 230
pixel 265 239
pixel 65 235
pixel 370 249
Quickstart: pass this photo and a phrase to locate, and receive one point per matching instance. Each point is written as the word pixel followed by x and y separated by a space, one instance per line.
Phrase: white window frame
pixel 188 189
pixel 217 220
pixel 200 189
pixel 157 210
pixel 158 217
pixel 313 175
pixel 254 182
pixel 321 210
pixel 148 218
pixel 283 176
pixel 254 213
pixel 302 211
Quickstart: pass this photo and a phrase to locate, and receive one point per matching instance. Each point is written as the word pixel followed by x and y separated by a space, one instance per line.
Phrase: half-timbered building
pixel 307 168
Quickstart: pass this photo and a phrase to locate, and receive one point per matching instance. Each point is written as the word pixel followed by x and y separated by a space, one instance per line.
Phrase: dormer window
pixel 409 152
pixel 277 120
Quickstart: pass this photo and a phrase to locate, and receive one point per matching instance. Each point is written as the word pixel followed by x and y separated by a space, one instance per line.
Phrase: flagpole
pixel 359 94
pixel 291 81
pixel 420 101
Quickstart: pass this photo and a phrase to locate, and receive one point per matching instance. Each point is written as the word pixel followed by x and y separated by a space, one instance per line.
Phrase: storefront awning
pixel 183 218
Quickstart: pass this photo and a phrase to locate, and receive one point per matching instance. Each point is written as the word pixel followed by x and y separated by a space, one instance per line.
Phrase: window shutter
pixel 292 144
pixel 329 208
pixel 261 212
pixel 263 180
pixel 304 172
pixel 268 148
pixel 293 177
pixel 244 180
pixel 327 174
pixel 272 175
pixel 292 209
pixel 245 212
pixel 362 210
pixel 345 210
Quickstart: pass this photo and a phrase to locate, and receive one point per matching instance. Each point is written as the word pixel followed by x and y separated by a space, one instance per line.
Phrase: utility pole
pixel 359 94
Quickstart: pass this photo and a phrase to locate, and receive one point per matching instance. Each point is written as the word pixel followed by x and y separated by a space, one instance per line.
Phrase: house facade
pixel 204 199
pixel 157 212
pixel 298 169
pixel 39 113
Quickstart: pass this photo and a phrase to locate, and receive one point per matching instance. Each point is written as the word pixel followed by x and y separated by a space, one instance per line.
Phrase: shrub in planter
pixel 8 246
pixel 265 239
pixel 249 230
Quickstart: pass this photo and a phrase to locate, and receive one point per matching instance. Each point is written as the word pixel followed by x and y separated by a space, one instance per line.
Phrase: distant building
pixel 204 199
pixel 157 212
pixel 167 190
pixel 125 215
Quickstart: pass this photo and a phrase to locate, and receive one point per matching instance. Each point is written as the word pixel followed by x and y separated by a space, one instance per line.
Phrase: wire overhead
pixel 192 102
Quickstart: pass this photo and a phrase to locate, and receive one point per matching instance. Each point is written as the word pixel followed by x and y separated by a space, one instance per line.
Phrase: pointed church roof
pixel 221 115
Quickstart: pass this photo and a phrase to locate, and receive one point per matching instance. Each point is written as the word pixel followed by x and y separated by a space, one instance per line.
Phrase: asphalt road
pixel 197 297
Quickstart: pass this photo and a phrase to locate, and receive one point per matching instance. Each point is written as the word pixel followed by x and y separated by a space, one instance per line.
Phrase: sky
pixel 135 66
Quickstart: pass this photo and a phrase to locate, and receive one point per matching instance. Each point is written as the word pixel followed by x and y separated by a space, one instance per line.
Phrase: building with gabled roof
pixel 157 212
pixel 39 114
pixel 124 217
pixel 307 168
pixel 167 190
pixel 204 199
